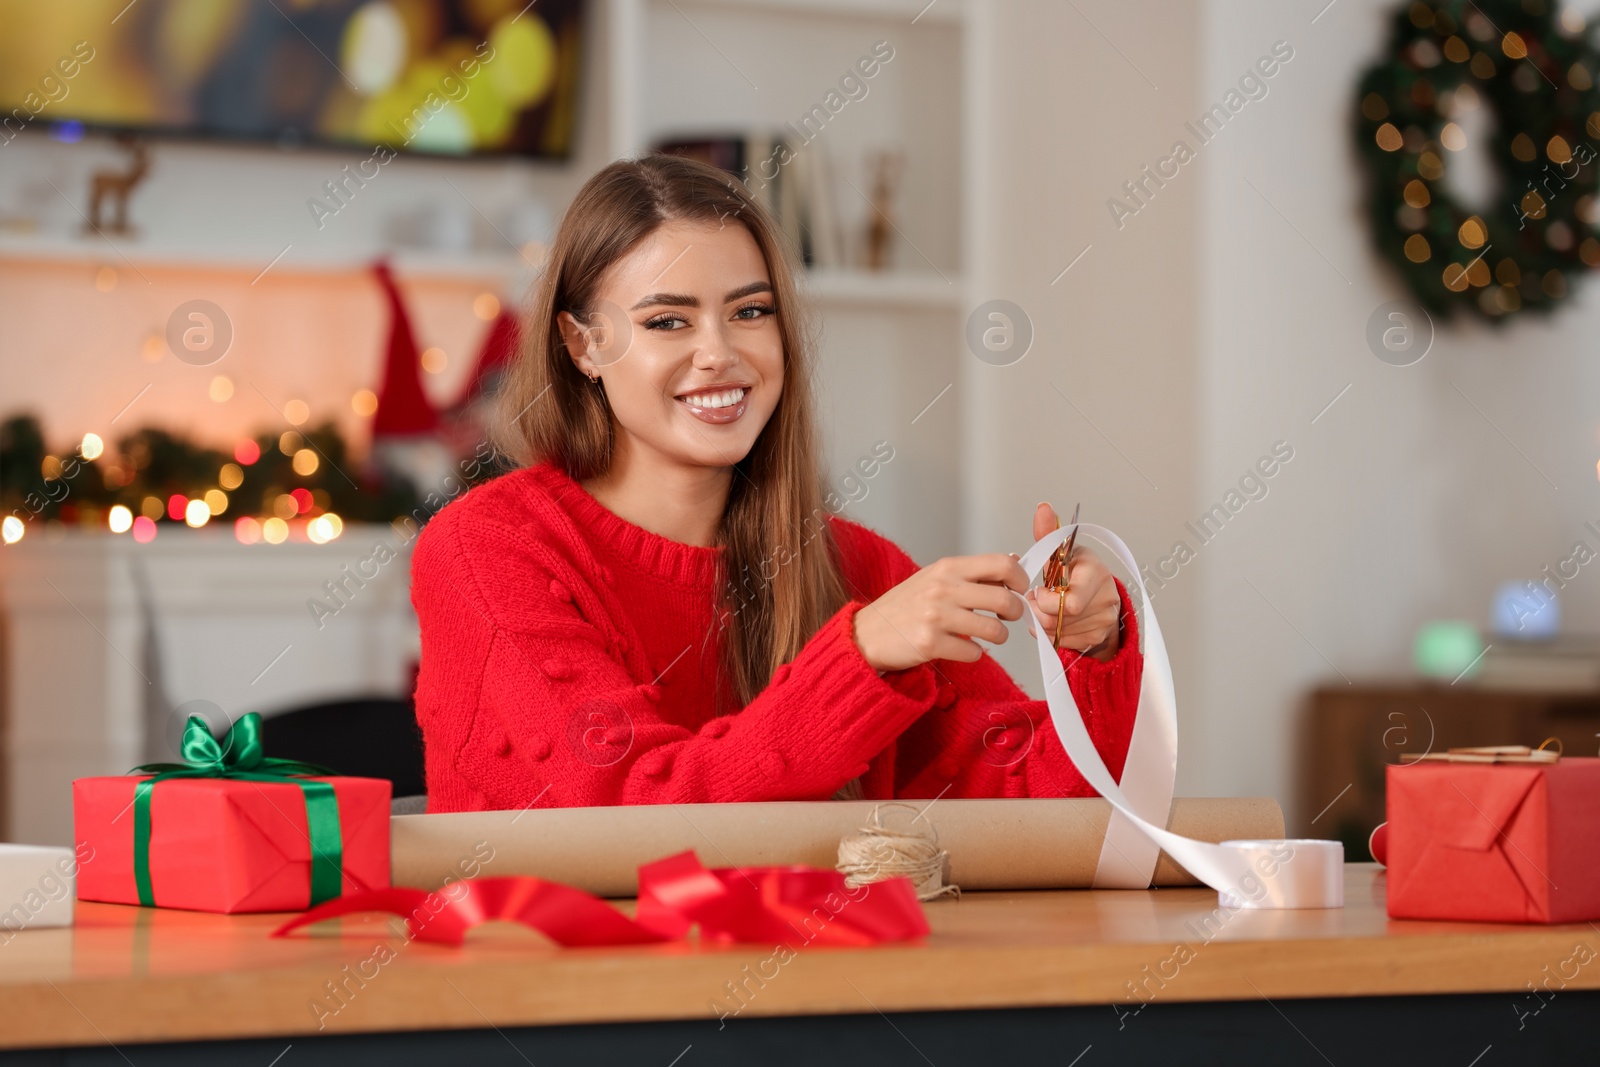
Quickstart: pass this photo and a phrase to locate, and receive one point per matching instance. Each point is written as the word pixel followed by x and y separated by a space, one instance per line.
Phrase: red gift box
pixel 1505 842
pixel 226 845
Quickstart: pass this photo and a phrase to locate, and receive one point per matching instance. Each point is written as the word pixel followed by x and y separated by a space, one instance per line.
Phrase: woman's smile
pixel 717 404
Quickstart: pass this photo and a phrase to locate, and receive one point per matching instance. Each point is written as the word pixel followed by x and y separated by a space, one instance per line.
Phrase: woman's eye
pixel 666 322
pixel 754 311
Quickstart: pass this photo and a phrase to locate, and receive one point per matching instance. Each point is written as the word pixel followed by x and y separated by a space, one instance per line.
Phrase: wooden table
pixel 1004 975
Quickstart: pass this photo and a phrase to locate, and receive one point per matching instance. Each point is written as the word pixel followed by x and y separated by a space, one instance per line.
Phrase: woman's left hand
pixel 1090 622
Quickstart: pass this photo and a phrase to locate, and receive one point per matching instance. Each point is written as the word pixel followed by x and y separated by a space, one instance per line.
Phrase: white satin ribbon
pixel 1245 874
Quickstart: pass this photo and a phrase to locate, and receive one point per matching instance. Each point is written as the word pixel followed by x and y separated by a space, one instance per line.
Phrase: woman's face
pixel 686 342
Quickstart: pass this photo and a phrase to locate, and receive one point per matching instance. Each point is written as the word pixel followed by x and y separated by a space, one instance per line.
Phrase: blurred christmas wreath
pixel 1536 74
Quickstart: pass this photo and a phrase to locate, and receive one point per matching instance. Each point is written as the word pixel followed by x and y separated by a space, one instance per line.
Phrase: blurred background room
pixel 261 263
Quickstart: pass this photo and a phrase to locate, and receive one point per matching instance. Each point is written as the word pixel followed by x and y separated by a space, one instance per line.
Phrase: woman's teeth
pixel 725 399
pixel 717 406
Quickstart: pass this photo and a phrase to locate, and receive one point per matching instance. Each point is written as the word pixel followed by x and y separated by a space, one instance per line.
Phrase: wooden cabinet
pixel 1352 732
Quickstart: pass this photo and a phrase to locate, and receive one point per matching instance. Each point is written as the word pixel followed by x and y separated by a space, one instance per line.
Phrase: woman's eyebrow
pixel 747 290
pixel 686 301
pixel 669 299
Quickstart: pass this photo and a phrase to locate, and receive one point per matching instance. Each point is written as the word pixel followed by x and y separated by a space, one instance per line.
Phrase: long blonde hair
pixel 780 578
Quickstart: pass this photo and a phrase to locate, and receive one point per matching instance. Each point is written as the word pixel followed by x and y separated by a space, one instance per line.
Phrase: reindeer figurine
pixel 118 186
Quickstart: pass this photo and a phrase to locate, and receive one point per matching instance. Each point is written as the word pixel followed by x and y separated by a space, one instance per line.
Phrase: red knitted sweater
pixel 569 658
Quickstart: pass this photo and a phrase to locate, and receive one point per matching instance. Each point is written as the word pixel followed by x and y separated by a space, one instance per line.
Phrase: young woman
pixel 658 608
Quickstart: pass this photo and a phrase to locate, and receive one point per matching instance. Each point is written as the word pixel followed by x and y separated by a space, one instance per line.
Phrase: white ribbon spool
pixel 1245 874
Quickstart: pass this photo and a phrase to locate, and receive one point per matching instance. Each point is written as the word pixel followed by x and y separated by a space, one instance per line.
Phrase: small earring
pixel 594 378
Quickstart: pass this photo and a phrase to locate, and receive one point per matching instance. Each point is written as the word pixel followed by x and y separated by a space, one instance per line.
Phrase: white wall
pixel 1207 328
pixel 1074 119
pixel 1403 502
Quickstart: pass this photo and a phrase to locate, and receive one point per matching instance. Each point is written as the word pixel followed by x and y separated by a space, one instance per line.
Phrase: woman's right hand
pixel 934 614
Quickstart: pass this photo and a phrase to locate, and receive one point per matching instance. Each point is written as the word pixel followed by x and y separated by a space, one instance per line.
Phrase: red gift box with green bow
pixel 230 829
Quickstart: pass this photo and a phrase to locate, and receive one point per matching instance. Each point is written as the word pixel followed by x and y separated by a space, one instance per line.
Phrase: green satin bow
pixel 240 756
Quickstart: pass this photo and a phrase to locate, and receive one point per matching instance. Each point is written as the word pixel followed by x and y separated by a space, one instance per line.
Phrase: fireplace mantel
pixel 232 625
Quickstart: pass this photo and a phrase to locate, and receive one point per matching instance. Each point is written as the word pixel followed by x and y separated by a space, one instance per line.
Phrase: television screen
pixel 447 77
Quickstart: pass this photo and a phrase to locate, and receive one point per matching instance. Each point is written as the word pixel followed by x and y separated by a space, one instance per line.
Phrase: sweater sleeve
pixel 985 737
pixel 529 701
pixel 988 738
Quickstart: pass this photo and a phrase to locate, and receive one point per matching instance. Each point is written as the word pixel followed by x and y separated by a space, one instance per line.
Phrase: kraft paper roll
pixel 993 844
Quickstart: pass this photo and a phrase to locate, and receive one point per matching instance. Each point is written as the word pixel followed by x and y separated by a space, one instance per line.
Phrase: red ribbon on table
pixel 759 904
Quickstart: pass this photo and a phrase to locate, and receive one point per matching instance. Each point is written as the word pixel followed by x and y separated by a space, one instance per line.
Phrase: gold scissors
pixel 1056 570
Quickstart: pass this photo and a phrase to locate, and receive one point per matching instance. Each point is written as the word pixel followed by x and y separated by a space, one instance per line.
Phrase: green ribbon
pixel 240 756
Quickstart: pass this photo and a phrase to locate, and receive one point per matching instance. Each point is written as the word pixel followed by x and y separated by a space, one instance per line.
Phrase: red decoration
pixel 1507 842
pixel 758 904
pixel 499 348
pixel 302 498
pixel 177 504
pixel 225 845
pixel 247 452
pixel 1378 844
pixel 403 406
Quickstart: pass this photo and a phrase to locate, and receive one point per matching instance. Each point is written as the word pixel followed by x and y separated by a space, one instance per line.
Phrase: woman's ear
pixel 576 337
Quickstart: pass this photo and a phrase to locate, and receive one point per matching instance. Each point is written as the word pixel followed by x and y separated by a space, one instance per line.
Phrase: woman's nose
pixel 716 349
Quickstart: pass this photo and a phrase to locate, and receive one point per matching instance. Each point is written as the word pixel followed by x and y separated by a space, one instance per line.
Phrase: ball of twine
pixel 876 852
